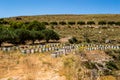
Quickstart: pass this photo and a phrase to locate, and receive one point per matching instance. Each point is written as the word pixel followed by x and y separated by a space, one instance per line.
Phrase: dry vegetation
pixel 16 66
pixel 94 34
pixel 29 67
pixel 49 18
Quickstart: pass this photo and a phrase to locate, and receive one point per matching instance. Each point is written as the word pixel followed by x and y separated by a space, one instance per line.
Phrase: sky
pixel 11 8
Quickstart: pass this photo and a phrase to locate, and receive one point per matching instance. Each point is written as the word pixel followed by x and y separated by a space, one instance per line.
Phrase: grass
pixel 87 17
pixel 27 67
pixel 92 33
pixel 77 31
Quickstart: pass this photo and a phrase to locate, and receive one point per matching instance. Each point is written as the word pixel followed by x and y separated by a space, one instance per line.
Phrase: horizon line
pixel 57 14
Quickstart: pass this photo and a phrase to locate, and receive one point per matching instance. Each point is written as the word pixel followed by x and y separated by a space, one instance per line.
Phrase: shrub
pixel 111 65
pixel 35 25
pixel 89 65
pixel 45 23
pixel 90 22
pixel 102 23
pixel 71 23
pixel 53 23
pixel 81 22
pixel 111 23
pixel 50 35
pixel 73 40
pixel 16 25
pixel 23 35
pixel 117 23
pixel 62 23
pixel 35 35
pixel 18 18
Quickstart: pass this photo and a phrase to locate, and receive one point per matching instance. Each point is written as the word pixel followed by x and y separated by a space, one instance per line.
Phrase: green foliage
pixel 3 22
pixel 111 23
pixel 53 23
pixel 62 23
pixel 16 25
pixel 117 23
pixel 71 23
pixel 45 23
pixel 35 25
pixel 19 32
pixel 81 22
pixel 18 18
pixel 35 35
pixel 89 65
pixel 90 22
pixel 23 35
pixel 73 40
pixel 7 35
pixel 50 35
pixel 111 65
pixel 102 23
pixel 115 54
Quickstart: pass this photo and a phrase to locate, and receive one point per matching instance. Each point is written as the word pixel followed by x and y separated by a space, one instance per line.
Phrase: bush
pixel 90 22
pixel 102 23
pixel 73 40
pixel 45 23
pixel 53 23
pixel 16 25
pixel 111 65
pixel 50 35
pixel 23 35
pixel 7 35
pixel 71 23
pixel 111 23
pixel 35 25
pixel 117 23
pixel 18 18
pixel 81 22
pixel 62 23
pixel 89 65
pixel 35 35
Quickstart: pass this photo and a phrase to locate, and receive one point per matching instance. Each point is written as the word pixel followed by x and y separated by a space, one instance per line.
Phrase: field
pixel 77 65
pixel 49 18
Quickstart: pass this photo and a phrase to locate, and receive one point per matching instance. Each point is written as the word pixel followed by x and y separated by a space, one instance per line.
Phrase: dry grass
pixel 42 67
pixel 49 18
pixel 29 67
pixel 107 78
pixel 92 33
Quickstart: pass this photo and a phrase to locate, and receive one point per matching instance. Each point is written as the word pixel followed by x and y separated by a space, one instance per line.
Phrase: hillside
pixel 48 18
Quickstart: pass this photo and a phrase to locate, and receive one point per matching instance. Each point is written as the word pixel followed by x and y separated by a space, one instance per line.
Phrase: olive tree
pixel 50 35
pixel 35 25
pixel 7 35
pixel 23 35
pixel 35 35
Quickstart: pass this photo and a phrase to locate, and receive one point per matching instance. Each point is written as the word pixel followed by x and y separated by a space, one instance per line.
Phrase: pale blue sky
pixel 9 8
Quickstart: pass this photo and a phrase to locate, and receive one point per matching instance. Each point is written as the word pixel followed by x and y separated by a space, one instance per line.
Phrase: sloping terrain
pixel 48 18
pixel 15 66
